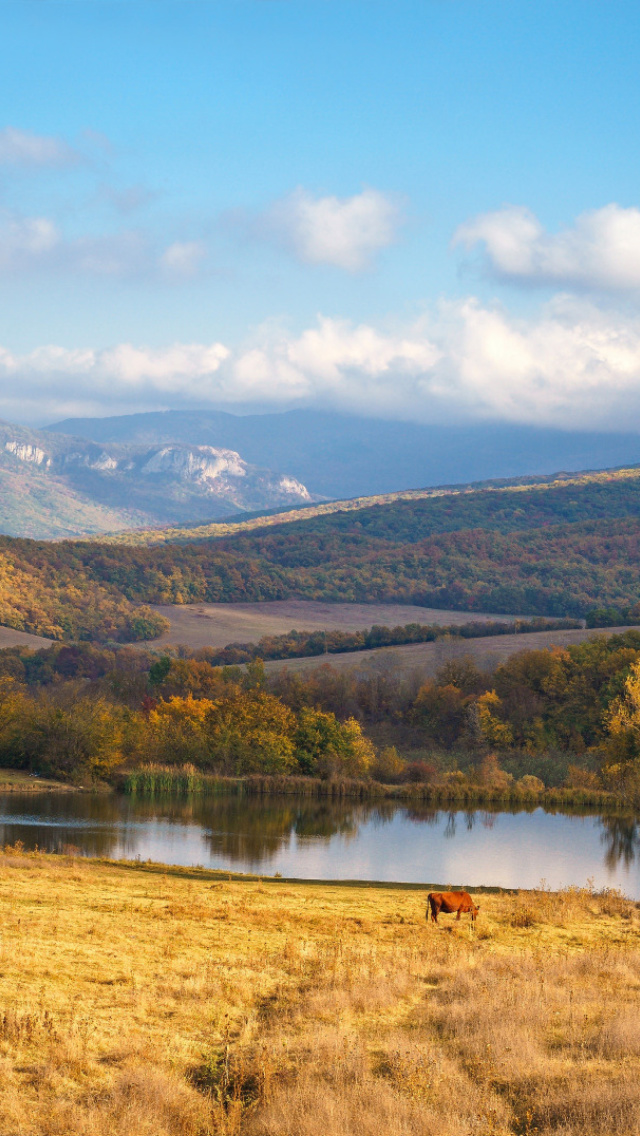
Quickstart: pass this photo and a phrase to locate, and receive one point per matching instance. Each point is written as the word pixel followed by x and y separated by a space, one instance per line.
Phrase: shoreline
pixel 220 876
pixel 14 781
pixel 176 783
pixel 150 782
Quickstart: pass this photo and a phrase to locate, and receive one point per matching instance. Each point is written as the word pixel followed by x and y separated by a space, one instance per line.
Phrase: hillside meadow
pixel 557 548
pixel 216 625
pixel 137 998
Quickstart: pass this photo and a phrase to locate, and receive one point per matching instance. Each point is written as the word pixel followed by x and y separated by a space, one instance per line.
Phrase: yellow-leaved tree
pixel 494 729
pixel 621 766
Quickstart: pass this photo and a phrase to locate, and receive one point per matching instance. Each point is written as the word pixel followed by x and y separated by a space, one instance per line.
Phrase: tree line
pixel 304 644
pixel 559 716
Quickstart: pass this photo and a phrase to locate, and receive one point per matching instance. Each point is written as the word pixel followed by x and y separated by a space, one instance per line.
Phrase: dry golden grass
pixel 166 1002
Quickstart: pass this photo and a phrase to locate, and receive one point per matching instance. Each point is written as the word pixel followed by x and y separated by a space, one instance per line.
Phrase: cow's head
pixel 474 912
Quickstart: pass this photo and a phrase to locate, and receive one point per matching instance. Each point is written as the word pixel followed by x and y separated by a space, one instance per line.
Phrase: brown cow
pixel 450 901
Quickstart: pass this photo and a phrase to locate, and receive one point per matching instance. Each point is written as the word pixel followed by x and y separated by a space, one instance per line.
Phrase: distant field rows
pixel 428 658
pixel 216 625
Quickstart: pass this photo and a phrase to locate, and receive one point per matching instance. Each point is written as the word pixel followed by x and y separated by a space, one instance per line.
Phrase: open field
pixel 216 625
pixel 428 658
pixel 173 1002
pixel 11 638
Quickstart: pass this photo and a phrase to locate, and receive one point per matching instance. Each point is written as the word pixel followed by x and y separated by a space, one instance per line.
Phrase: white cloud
pixel 182 259
pixel 573 366
pixel 25 241
pixel 345 232
pixel 54 381
pixel 602 249
pixel 35 244
pixel 22 148
pixel 335 362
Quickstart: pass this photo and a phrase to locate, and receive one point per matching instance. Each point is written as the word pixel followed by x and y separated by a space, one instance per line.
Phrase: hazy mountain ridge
pixel 341 456
pixel 56 485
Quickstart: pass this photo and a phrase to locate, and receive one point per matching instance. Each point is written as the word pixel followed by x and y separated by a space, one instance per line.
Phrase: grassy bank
pixel 176 1002
pixel 17 781
pixel 151 780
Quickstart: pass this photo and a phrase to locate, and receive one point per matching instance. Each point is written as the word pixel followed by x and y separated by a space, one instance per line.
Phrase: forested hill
pixel 559 548
pixel 505 506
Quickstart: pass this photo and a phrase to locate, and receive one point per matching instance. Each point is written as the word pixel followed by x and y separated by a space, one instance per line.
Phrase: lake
pixel 312 838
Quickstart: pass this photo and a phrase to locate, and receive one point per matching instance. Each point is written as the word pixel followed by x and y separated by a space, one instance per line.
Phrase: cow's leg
pixel 458 915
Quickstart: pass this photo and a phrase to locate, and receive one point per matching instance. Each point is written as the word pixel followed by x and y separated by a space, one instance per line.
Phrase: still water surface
pixel 319 839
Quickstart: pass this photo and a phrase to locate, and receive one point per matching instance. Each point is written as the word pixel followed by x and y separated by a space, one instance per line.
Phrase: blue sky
pixel 425 210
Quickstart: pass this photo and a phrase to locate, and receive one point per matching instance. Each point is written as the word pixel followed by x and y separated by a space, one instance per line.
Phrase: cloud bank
pixel 573 366
pixel 601 250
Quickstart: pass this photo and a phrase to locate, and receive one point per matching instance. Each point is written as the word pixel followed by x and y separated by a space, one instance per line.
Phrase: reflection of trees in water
pixel 249 829
pixel 452 821
pixel 54 822
pixel 621 838
pixel 246 831
pixel 423 814
pixel 255 829
pixel 450 827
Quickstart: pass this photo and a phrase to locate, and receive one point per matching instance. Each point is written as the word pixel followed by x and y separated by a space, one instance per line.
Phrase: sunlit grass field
pixel 148 1001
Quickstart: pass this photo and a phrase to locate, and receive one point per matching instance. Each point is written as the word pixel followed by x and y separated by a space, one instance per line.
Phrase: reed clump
pixel 177 780
pixel 137 998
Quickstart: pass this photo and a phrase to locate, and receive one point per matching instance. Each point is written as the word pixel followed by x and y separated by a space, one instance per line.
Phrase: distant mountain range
pixel 341 456
pixel 56 485
pixel 87 476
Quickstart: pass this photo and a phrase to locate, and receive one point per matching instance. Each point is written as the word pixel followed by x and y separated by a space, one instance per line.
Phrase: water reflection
pixel 321 838
pixel 621 840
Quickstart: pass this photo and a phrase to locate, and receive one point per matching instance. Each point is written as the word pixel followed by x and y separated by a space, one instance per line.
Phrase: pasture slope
pixel 216 625
pixel 138 998
pixel 427 658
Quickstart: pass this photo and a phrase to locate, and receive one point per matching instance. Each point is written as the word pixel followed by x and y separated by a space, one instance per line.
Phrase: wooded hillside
pixel 558 549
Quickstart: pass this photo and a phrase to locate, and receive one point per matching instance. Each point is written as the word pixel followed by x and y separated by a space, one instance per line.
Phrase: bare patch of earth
pixel 216 625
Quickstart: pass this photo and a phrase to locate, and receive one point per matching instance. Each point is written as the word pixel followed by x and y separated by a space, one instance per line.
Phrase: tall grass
pixel 148 780
pixel 178 780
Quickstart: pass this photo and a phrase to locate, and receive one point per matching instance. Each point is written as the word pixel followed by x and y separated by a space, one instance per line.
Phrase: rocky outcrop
pixel 153 484
pixel 27 453
pixel 202 464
